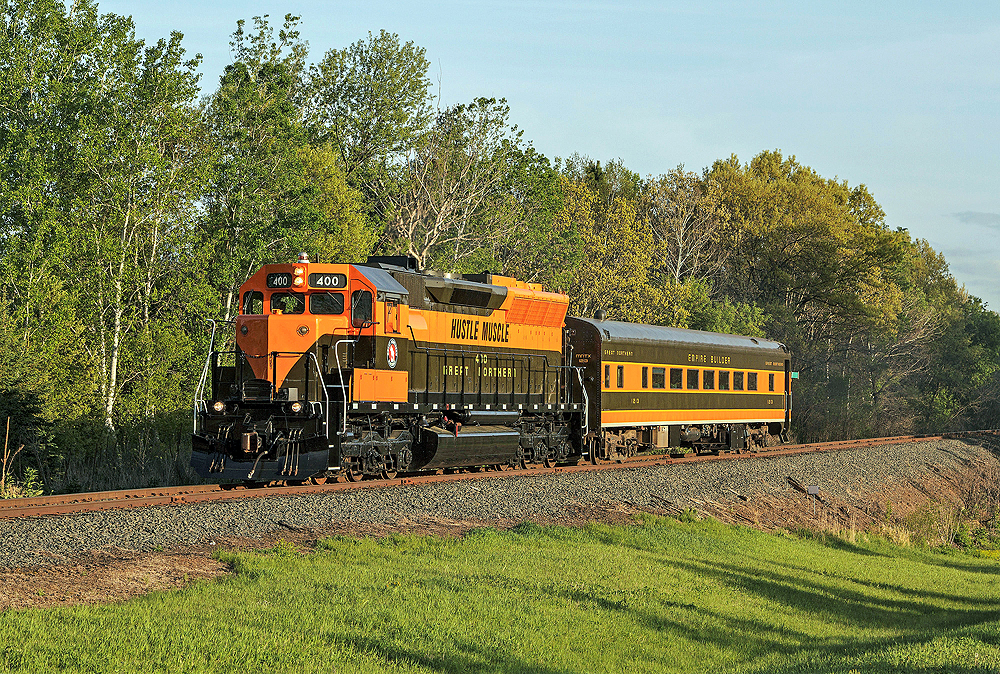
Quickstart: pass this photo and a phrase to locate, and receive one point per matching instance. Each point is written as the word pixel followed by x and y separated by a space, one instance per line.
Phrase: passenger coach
pixel 656 387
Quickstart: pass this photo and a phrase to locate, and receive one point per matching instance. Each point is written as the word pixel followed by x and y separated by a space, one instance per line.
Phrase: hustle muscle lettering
pixel 464 328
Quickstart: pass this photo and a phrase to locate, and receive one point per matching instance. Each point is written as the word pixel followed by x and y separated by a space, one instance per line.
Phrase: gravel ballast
pixel 859 479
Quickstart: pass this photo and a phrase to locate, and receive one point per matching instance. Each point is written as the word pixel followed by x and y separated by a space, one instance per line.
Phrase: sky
pixel 902 96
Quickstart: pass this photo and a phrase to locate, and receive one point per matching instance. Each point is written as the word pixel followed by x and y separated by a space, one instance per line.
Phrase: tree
pixel 371 100
pixel 686 217
pixel 453 196
pixel 259 190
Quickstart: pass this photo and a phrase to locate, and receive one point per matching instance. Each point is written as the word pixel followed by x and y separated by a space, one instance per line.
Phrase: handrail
pixel 340 375
pixel 326 395
pixel 512 355
pixel 586 400
pixel 199 390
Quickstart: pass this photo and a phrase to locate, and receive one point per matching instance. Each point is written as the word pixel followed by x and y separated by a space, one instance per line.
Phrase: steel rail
pixel 66 504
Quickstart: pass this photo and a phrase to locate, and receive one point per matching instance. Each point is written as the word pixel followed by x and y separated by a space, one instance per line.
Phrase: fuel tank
pixel 471 446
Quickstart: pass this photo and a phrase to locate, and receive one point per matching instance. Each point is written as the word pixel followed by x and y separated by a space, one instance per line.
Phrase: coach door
pixel 788 394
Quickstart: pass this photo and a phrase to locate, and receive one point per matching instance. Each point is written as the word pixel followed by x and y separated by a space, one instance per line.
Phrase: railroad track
pixel 66 504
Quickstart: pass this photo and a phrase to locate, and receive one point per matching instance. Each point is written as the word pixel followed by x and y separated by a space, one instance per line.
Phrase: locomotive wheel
pixel 323 479
pixel 353 472
pixel 389 474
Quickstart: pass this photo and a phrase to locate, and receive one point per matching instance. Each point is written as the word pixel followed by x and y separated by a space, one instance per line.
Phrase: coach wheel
pixel 595 453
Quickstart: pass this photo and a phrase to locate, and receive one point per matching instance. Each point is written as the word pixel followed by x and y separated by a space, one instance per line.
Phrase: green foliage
pixel 28 486
pixel 669 596
pixel 371 100
pixel 130 212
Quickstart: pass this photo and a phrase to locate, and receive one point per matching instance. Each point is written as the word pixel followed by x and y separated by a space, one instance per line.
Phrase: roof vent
pixel 600 315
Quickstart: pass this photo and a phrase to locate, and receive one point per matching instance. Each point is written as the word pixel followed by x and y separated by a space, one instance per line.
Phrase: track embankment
pixel 856 486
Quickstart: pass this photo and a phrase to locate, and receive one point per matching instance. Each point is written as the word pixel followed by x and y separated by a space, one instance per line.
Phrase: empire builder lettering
pixel 464 328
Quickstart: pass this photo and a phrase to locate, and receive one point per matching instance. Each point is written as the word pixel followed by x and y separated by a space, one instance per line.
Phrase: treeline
pixel 132 208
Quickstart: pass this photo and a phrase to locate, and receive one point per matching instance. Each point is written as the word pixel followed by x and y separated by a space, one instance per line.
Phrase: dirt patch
pixel 105 576
pixel 973 489
pixel 115 574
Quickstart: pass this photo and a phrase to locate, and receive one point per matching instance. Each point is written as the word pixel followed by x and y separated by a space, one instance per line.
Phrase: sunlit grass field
pixel 660 596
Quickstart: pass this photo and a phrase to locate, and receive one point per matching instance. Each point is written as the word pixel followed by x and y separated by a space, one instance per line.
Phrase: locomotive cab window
pixel 708 380
pixel 645 377
pixel 361 309
pixel 723 381
pixel 253 302
pixel 288 303
pixel 326 303
pixel 659 377
pixel 737 381
pixel 676 378
pixel 621 376
pixel 751 381
pixel 692 380
pixel 607 376
pixel 770 382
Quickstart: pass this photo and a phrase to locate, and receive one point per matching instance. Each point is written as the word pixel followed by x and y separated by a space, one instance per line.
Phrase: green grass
pixel 662 596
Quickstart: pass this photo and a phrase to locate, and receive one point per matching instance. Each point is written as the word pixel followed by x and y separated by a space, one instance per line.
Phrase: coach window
pixel 607 376
pixel 288 303
pixel 659 375
pixel 361 309
pixel 770 382
pixel 737 381
pixel 621 376
pixel 326 303
pixel 692 380
pixel 253 302
pixel 751 381
pixel 708 380
pixel 676 378
pixel 645 377
pixel 723 380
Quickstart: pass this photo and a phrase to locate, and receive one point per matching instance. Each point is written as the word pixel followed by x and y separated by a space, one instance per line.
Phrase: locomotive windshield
pixel 326 303
pixel 288 303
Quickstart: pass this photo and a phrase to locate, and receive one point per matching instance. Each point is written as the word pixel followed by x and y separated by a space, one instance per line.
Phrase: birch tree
pixel 452 196
pixel 686 218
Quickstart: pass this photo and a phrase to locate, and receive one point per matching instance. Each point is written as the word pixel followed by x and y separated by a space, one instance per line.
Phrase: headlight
pixel 296 407
pixel 219 406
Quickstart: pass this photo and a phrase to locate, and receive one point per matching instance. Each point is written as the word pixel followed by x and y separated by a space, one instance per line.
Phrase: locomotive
pixel 370 370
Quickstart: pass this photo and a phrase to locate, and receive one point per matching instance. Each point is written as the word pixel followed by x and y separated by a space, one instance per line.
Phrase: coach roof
pixel 612 331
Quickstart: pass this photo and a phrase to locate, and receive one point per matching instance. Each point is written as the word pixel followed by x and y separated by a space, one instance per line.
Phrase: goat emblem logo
pixel 392 353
